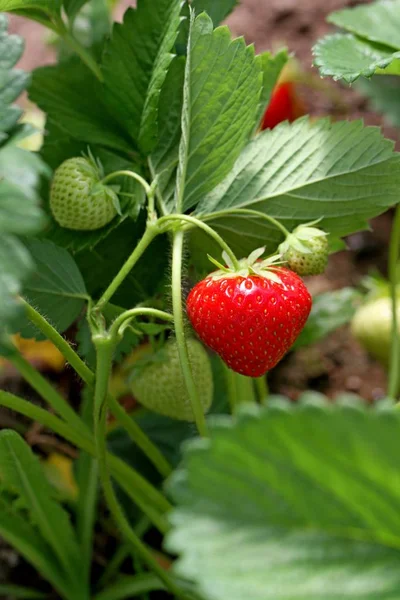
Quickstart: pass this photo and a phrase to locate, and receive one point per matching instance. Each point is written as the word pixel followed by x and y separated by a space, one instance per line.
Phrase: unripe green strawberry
pixel 372 327
pixel 78 199
pixel 160 387
pixel 305 250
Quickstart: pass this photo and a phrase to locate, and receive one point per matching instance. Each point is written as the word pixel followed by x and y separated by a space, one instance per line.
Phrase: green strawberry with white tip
pixel 157 381
pixel 305 250
pixel 78 199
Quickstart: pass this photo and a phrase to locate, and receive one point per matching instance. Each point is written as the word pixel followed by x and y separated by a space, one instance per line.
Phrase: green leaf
pixel 330 311
pixel 376 22
pixel 218 11
pixel 292 502
pixel 11 46
pixel 384 95
pixel 20 472
pixel 17 530
pixel 164 160
pixel 222 88
pixel 72 98
pixel 55 288
pixel 343 56
pixel 135 64
pixel 131 586
pixel 342 172
pixel 24 169
pixel 50 7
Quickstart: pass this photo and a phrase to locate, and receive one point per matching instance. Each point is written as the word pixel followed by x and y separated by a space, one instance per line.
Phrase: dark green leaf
pixel 56 287
pixel 330 311
pixel 49 7
pixel 17 591
pixel 292 502
pixel 130 587
pixel 384 94
pixel 222 88
pixel 72 7
pixel 72 98
pixel 272 66
pixel 218 11
pixel 20 471
pixel 135 64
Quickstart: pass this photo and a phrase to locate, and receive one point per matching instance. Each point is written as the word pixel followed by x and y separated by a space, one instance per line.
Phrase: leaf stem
pixel 394 364
pixel 104 352
pixel 133 429
pixel 147 188
pixel 177 251
pixel 150 233
pixel 209 230
pixel 247 211
pixel 245 389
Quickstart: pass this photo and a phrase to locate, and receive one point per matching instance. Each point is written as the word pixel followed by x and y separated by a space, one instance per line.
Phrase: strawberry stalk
pixel 191 387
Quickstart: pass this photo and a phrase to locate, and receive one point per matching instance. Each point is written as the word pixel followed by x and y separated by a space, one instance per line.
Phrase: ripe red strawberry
pixel 251 317
pixel 283 106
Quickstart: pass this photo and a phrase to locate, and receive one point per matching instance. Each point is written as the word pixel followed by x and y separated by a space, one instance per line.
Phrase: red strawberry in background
pixel 250 317
pixel 285 105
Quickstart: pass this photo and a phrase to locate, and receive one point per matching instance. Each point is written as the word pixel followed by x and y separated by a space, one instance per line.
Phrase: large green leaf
pixel 72 7
pixel 55 288
pixel 73 100
pixel 20 472
pixel 377 22
pixel 373 42
pixel 343 56
pixel 342 172
pixel 292 503
pixel 135 64
pixel 222 88
pixel 18 531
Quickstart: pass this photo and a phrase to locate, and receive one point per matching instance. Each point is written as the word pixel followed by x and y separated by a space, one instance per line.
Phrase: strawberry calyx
pixel 301 239
pixel 252 265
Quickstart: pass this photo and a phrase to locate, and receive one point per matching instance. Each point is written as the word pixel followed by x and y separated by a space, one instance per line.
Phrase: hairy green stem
pixel 190 383
pixel 150 233
pixel 133 429
pixel 209 230
pixel 104 351
pixel 394 364
pixel 137 312
pixel 136 176
pixel 250 212
pixel 245 389
pixel 139 438
pixel 232 388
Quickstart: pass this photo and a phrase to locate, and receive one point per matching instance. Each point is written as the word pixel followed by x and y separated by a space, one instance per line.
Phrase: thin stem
pixel 148 236
pixel 262 389
pixel 142 493
pixel 180 333
pixel 232 388
pixel 209 230
pixel 59 342
pixel 134 431
pixel 104 351
pixel 83 53
pixel 248 211
pixel 393 383
pixel 136 176
pixel 48 393
pixel 139 438
pixel 137 312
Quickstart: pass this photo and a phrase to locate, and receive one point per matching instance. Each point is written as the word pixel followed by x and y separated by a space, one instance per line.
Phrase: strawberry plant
pixel 154 173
